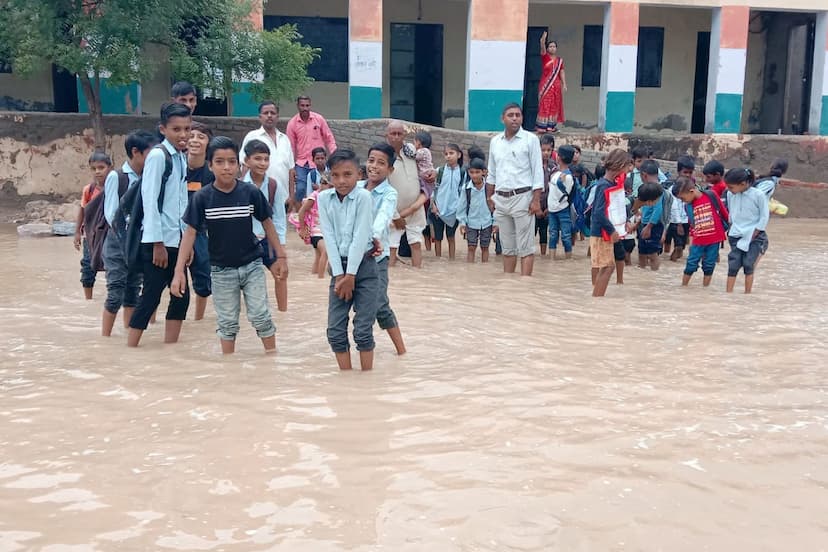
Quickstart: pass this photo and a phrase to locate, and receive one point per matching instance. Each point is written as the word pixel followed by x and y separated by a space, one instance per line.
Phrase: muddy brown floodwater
pixel 527 416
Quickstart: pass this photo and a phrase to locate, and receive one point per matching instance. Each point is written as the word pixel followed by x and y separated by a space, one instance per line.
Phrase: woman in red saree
pixel 551 88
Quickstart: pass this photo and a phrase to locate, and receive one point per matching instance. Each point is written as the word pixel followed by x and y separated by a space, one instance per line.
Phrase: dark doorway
pixel 700 86
pixel 64 90
pixel 532 75
pixel 211 107
pixel 417 73
pixel 798 80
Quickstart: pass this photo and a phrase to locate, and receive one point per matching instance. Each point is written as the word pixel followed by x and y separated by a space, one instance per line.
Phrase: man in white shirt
pixel 281 153
pixel 513 189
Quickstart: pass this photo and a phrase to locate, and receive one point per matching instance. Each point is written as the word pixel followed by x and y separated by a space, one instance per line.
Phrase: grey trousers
pixel 364 302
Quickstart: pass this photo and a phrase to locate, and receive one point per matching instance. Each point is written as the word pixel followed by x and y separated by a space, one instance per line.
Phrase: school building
pixel 696 66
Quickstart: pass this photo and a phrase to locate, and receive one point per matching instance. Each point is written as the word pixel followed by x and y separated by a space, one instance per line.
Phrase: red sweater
pixel 707 227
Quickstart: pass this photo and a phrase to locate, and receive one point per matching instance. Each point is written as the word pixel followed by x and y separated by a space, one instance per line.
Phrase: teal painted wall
pixel 728 114
pixel 243 103
pixel 823 122
pixel 486 108
pixel 365 102
pixel 113 99
pixel 620 111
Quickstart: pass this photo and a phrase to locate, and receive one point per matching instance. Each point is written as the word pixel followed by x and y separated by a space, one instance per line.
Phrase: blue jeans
pixel 229 284
pixel 385 316
pixel 200 267
pixel 560 224
pixel 302 173
pixel 364 301
pixel 122 286
pixel 706 254
pixel 87 274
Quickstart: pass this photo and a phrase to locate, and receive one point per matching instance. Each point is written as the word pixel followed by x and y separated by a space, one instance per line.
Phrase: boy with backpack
pixel 257 160
pixel 122 286
pixel 651 231
pixel 163 200
pixel 318 173
pixel 709 222
pixel 561 192
pixel 473 213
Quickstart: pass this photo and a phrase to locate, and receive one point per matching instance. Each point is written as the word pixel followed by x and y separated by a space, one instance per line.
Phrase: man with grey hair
pixel 410 218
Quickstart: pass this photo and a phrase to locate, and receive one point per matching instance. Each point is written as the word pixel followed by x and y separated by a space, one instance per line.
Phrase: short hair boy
pixel 122 285
pixel 184 93
pixel 473 213
pixel 162 228
pixel 347 221
pixel 226 211
pixel 380 164
pixel 257 160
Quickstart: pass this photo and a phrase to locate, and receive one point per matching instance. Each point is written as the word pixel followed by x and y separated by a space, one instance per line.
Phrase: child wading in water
pixel 476 220
pixel 602 232
pixel 381 159
pixel 749 215
pixel 306 222
pixel 547 142
pixel 561 192
pixel 226 210
pixel 257 159
pixel 450 180
pixel 101 165
pixel 708 220
pixel 347 219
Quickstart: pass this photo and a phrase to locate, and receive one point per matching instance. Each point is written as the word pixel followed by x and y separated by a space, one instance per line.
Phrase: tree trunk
pixel 92 91
pixel 228 94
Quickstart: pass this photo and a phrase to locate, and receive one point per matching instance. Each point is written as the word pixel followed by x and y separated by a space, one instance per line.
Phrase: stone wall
pixel 45 154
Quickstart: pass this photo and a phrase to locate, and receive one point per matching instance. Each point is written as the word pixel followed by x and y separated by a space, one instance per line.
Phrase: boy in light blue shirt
pixel 163 228
pixel 122 286
pixel 380 164
pixel 473 213
pixel 257 160
pixel 347 220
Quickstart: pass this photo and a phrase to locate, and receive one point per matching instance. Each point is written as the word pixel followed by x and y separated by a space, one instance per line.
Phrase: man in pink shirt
pixel 306 131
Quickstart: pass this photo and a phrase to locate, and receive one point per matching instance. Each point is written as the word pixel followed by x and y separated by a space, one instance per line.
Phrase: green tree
pixel 227 50
pixel 94 39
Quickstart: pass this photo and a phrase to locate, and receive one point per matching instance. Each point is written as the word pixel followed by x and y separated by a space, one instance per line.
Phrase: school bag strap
pixel 562 187
pixel 123 182
pixel 717 206
pixel 271 191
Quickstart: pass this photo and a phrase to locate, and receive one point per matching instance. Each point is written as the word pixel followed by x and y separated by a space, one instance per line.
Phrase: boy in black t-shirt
pixel 226 210
pixel 199 176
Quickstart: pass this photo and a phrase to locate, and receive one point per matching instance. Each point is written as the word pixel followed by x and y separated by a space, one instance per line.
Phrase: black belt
pixel 512 193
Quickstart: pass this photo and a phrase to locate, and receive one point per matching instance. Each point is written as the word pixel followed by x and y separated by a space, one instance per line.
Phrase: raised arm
pixel 543 43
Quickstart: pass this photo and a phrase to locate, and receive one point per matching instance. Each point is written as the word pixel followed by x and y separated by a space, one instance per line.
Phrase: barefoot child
pixel 708 221
pixel 473 213
pixel 381 158
pixel 122 286
pixel 307 225
pixel 749 215
pixel 101 165
pixel 347 219
pixel 602 231
pixel 450 180
pixel 257 160
pixel 226 211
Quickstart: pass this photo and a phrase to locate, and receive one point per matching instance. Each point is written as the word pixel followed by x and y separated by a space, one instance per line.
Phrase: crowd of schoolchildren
pixel 183 203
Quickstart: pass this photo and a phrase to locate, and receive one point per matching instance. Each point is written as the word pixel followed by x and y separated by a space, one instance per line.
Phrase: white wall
pixel 675 97
pixel 26 92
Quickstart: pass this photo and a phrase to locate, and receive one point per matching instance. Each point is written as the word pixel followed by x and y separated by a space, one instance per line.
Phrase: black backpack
pixel 95 226
pixel 132 202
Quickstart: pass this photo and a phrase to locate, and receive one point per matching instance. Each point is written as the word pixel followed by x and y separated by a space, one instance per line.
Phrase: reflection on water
pixel 528 416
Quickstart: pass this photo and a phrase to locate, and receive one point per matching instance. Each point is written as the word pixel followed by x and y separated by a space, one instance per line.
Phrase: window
pixel 593 45
pixel 650 56
pixel 330 34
